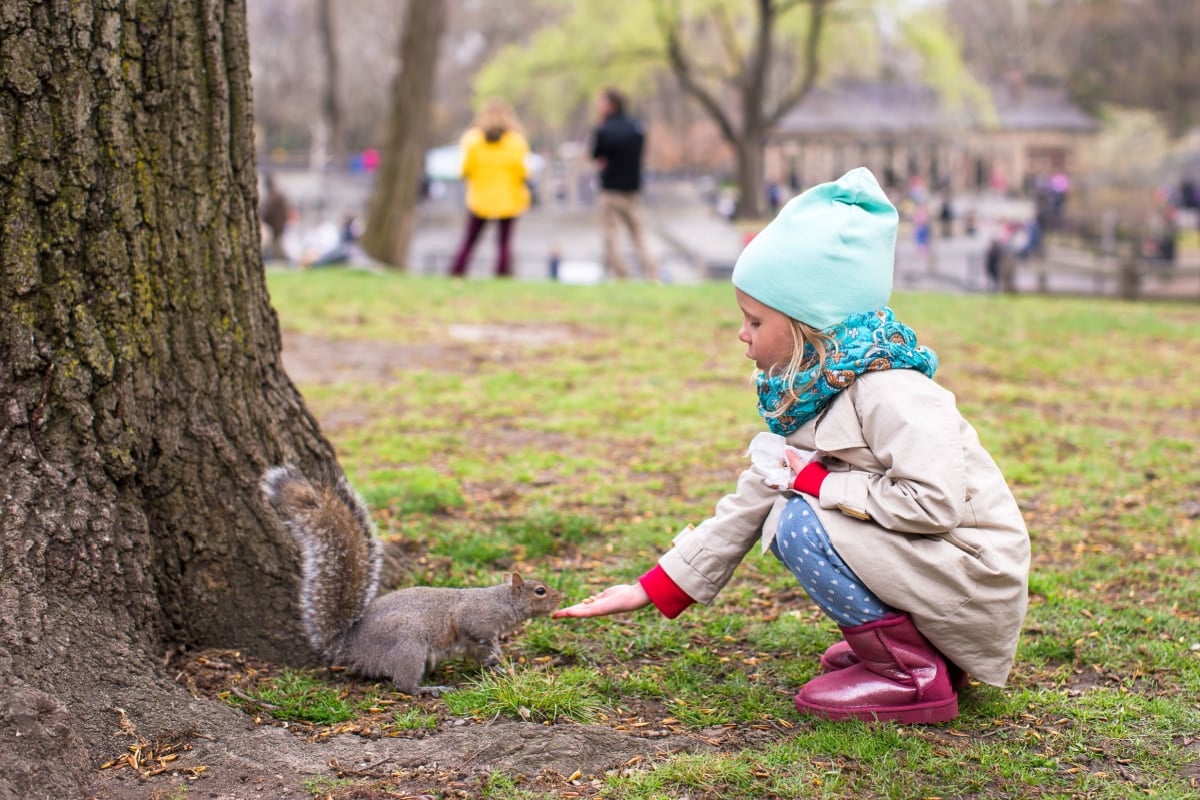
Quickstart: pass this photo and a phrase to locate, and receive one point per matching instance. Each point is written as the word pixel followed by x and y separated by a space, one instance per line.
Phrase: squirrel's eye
pixel 539 591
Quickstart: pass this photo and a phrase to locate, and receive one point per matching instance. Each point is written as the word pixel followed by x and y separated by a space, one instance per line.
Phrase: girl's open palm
pixel 613 600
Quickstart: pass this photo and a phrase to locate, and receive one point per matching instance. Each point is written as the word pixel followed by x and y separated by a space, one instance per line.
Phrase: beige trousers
pixel 622 208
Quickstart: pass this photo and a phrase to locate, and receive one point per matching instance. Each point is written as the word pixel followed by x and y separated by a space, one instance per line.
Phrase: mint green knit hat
pixel 828 254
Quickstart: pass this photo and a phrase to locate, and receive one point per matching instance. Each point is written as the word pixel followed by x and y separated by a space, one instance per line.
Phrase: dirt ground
pixel 248 754
pixel 232 754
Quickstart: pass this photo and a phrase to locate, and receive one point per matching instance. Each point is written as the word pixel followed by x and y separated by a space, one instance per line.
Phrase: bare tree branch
pixel 816 23
pixel 746 122
pixel 755 81
pixel 728 38
pixel 668 26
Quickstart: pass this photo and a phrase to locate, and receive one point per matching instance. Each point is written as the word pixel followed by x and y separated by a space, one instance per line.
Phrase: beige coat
pixel 913 504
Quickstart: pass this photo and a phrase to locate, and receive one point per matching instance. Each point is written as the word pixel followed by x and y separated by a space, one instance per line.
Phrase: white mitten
pixel 767 455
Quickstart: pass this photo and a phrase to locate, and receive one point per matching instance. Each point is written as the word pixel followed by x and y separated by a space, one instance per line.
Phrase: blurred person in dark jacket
pixel 617 144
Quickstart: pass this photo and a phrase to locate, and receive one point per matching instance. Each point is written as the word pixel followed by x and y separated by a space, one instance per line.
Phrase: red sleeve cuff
pixel 809 479
pixel 665 593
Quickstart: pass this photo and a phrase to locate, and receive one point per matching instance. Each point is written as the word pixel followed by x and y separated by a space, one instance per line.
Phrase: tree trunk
pixel 752 143
pixel 745 132
pixel 402 163
pixel 141 389
pixel 331 105
pixel 751 189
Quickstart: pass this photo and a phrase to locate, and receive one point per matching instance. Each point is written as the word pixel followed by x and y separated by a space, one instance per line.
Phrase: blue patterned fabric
pixel 862 343
pixel 803 546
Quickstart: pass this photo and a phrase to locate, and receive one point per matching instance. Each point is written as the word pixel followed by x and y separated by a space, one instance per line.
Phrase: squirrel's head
pixel 540 598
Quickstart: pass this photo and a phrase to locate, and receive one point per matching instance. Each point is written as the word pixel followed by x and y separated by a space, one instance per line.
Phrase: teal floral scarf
pixel 861 343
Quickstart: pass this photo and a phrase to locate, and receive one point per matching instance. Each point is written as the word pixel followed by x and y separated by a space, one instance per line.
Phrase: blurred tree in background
pixel 401 175
pixel 744 65
pixel 710 77
pixel 1139 54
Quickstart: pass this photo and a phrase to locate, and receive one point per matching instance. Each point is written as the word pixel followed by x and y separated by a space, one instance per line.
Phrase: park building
pixel 1021 133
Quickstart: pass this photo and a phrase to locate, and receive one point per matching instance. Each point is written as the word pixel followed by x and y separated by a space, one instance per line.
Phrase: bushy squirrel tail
pixel 340 554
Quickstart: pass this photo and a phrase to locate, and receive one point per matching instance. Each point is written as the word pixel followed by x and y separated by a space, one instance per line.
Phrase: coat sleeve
pixel 704 557
pixel 913 429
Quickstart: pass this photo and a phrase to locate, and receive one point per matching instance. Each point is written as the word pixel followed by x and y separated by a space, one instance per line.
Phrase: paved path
pixel 685 236
pixel 691 241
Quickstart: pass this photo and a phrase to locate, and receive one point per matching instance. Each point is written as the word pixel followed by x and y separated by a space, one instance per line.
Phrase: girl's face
pixel 766 332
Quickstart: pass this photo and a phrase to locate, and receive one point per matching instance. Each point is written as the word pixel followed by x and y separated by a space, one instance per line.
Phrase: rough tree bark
pixel 393 204
pixel 141 389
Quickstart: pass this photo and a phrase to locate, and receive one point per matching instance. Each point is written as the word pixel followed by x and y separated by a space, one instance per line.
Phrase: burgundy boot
pixel 839 656
pixel 900 677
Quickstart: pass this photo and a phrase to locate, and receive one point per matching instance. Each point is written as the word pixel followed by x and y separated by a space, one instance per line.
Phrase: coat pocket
pixel 970 549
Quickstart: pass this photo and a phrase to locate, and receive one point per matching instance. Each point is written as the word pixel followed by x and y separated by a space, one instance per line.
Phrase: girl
pixel 493 152
pixel 900 527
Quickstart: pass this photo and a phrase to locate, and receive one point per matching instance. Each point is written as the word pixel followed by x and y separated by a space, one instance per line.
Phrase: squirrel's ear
pixel 514 579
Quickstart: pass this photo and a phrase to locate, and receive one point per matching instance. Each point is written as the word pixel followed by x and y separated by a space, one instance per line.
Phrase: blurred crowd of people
pixel 498 189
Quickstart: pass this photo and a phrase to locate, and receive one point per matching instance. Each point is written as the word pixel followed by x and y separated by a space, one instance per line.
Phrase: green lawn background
pixel 568 432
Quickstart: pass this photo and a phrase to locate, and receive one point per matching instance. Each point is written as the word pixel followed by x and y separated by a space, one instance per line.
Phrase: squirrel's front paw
pixel 432 691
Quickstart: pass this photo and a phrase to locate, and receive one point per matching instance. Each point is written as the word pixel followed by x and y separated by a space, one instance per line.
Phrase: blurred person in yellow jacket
pixel 493 167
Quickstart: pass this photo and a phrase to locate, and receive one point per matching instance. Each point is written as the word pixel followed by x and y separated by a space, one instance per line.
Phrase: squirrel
pixel 402 634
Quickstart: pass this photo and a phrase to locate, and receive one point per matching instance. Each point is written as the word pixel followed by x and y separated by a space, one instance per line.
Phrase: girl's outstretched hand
pixel 613 600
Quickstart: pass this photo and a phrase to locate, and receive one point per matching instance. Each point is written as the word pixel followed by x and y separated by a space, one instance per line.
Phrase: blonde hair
pixel 497 115
pixel 803 337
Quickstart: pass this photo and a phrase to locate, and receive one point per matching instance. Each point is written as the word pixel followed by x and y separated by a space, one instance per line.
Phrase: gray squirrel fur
pixel 402 634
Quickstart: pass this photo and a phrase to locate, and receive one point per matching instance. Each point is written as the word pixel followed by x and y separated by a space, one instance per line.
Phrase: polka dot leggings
pixel 803 546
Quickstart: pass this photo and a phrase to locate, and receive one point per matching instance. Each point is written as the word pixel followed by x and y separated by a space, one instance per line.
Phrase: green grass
pixel 324 786
pixel 414 719
pixel 299 696
pixel 569 432
pixel 530 695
